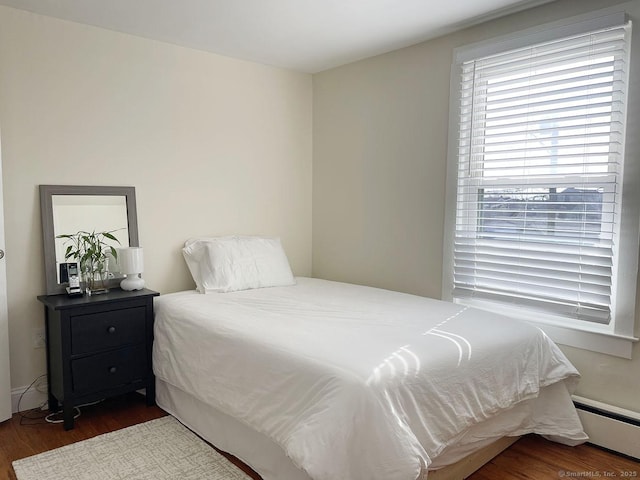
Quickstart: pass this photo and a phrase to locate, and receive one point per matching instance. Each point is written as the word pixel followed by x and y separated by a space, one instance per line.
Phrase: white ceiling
pixel 304 35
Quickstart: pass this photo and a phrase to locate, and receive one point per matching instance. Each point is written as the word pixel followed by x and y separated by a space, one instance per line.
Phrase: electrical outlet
pixel 38 338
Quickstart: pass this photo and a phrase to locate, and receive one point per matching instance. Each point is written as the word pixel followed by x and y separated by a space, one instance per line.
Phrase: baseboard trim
pixel 612 428
pixel 34 397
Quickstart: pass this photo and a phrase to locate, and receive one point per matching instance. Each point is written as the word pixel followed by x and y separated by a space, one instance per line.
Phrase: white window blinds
pixel 540 153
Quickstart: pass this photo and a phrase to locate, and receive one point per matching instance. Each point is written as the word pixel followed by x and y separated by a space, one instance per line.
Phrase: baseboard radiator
pixel 610 427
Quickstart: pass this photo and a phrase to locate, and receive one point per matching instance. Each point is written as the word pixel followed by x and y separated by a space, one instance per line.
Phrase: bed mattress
pixel 354 382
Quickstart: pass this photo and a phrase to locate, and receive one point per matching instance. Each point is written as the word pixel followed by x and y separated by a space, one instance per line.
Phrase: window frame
pixel 617 337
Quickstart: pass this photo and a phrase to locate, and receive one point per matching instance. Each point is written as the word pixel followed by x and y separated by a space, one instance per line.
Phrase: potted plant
pixel 90 249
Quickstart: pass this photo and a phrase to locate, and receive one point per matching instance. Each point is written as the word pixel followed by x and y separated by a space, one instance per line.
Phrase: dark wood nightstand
pixel 98 346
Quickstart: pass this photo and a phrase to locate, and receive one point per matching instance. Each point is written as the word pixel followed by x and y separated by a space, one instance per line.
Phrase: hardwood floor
pixel 20 437
pixel 532 457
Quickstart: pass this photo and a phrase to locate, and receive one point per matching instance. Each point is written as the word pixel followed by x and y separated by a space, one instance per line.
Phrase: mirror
pixel 67 209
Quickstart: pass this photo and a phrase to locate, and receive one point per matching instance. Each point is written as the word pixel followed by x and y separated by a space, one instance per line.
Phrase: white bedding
pixel 354 382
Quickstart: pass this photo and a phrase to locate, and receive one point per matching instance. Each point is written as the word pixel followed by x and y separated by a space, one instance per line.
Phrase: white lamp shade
pixel 130 260
pixel 131 263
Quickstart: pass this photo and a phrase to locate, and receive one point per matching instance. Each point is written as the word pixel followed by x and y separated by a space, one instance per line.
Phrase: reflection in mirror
pixel 89 213
pixel 67 209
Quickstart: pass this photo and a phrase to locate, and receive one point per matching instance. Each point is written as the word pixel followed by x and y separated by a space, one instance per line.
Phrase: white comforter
pixel 355 382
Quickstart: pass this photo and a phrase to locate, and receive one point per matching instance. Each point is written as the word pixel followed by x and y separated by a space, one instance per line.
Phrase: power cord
pixel 51 417
pixel 37 416
pixel 25 416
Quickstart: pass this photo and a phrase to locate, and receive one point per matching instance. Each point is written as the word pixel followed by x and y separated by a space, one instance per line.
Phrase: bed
pixel 318 380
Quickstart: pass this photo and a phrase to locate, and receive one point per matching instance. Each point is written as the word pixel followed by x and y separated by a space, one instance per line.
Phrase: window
pixel 539 165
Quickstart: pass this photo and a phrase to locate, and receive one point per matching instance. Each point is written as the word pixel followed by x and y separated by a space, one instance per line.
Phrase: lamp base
pixel 132 282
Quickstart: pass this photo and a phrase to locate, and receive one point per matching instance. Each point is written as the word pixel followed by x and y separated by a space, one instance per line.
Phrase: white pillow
pixel 227 264
pixel 193 253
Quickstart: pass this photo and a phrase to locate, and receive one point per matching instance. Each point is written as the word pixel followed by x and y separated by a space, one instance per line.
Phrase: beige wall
pixel 379 169
pixel 213 145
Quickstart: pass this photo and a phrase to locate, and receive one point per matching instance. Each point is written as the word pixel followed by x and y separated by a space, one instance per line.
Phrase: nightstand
pixel 98 346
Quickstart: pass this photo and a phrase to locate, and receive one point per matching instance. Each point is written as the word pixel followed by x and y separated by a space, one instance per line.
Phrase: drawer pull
pixel 113 369
pixel 111 329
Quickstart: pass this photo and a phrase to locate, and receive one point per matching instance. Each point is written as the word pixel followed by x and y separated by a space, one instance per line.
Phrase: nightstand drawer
pixel 99 331
pixel 110 369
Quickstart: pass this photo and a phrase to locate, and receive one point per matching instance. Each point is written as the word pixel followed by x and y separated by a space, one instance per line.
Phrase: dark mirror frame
pixel 48 235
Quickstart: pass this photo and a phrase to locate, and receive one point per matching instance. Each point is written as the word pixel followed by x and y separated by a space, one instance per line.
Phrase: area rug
pixel 160 449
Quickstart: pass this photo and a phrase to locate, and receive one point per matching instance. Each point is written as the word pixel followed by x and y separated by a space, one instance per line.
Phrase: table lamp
pixel 131 263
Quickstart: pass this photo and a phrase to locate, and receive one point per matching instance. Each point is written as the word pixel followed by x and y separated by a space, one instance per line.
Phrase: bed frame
pixel 465 467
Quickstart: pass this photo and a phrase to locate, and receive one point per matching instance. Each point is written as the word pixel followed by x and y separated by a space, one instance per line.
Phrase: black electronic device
pixel 73 290
pixel 67 270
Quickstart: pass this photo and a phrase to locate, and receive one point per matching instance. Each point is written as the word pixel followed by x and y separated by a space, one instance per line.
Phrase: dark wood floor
pixel 531 457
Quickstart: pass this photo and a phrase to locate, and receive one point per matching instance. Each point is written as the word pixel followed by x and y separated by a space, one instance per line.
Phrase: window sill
pixel 587 339
pixel 592 337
